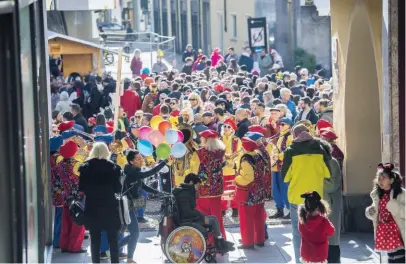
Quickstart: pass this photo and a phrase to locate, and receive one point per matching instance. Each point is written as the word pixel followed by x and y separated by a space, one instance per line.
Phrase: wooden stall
pixel 77 55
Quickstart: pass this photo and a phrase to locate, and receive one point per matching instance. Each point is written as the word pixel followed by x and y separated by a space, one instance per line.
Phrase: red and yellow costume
pixel 211 174
pixel 232 156
pixel 251 194
pixel 72 235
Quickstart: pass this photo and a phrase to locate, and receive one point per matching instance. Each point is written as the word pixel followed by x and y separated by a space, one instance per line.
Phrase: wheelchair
pixel 184 242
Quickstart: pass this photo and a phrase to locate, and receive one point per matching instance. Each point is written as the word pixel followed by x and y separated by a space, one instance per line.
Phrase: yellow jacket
pixel 279 146
pixel 179 170
pixel 246 172
pixel 229 169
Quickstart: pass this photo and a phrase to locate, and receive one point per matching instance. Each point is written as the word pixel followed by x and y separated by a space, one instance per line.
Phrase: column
pixel 189 24
pixel 169 18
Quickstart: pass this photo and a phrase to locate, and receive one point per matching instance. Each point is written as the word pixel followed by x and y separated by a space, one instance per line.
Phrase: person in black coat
pixel 308 111
pixel 243 123
pixel 100 181
pixel 185 196
pixel 133 185
pixel 78 117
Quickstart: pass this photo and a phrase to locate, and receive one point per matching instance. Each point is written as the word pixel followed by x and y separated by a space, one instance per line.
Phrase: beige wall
pixel 357 24
pixel 242 9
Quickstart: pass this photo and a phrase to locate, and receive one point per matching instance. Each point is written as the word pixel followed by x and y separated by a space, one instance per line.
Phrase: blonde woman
pixel 187 116
pixel 136 63
pixel 196 103
pixel 285 112
pixel 100 181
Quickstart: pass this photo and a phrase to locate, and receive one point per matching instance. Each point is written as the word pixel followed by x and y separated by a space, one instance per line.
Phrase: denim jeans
pixel 294 217
pixel 57 226
pixel 134 230
pixel 140 211
pixel 279 191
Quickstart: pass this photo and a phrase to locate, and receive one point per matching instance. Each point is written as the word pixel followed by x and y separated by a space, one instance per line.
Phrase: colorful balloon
pixel 178 150
pixel 144 132
pixel 145 147
pixel 155 122
pixel 163 151
pixel 155 137
pixel 180 136
pixel 164 126
pixel 171 136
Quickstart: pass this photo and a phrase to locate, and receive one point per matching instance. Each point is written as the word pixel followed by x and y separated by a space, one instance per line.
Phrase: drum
pixel 185 244
pixel 228 195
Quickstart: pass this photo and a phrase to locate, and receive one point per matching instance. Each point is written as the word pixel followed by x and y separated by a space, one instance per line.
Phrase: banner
pixel 257 32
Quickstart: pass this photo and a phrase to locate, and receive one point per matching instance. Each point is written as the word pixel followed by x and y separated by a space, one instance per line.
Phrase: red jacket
pixel 156 110
pixel 130 101
pixel 314 235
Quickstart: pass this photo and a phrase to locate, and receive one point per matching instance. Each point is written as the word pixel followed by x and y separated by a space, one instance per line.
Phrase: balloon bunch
pixel 160 135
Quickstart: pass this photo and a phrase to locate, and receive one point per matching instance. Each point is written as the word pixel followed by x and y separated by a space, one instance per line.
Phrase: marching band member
pixel 72 235
pixel 232 156
pixel 280 188
pixel 55 143
pixel 188 163
pixel 210 159
pixel 251 195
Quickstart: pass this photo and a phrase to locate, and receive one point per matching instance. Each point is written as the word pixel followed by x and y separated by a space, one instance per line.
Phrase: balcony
pixel 81 5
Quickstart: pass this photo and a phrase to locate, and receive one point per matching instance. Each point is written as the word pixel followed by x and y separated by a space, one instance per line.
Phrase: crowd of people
pixel 258 134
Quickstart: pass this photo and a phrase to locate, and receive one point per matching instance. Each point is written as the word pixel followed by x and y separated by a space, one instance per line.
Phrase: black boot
pixel 286 216
pixel 235 212
pixel 278 214
pixel 224 246
pixel 334 253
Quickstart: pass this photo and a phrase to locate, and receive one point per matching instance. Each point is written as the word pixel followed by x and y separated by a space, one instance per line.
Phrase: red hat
pixel 68 150
pixel 323 124
pixel 110 123
pixel 219 88
pixel 231 123
pixel 248 144
pixel 92 121
pixel 258 129
pixel 66 126
pixel 329 134
pixel 209 134
pixel 109 128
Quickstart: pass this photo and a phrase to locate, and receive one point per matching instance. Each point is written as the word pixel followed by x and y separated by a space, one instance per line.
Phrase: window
pixel 234 25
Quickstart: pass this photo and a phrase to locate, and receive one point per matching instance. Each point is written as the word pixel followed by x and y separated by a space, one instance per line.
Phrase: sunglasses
pixel 226 126
pixel 138 117
pixel 191 99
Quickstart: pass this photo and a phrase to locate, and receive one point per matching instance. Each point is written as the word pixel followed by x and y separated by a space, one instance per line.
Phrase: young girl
pixel 314 228
pixel 388 213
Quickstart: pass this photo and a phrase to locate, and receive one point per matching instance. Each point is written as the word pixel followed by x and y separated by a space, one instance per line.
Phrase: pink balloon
pixel 144 132
pixel 180 136
pixel 155 137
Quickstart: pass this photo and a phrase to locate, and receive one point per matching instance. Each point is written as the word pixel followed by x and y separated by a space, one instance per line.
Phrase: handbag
pixel 123 205
pixel 77 211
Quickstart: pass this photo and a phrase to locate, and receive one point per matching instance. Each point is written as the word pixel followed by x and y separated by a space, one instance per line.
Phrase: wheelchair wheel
pixel 185 244
pixel 210 258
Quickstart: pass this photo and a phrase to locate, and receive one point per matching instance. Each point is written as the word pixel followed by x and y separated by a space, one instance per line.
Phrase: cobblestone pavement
pixel 153 216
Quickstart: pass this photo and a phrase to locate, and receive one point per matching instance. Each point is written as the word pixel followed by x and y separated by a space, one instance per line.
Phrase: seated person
pixel 185 195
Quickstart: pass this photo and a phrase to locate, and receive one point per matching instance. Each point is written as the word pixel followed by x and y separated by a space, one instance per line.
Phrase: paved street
pixel 355 248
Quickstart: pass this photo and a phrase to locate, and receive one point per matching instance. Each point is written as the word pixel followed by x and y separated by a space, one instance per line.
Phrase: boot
pixel 224 246
pixel 235 212
pixel 286 216
pixel 279 214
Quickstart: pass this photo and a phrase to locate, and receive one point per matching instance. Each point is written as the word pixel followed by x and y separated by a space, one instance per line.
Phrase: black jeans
pixel 397 257
pixel 95 236
pixel 334 254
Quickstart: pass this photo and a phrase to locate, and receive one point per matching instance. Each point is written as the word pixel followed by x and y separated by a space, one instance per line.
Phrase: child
pixel 314 228
pixel 388 213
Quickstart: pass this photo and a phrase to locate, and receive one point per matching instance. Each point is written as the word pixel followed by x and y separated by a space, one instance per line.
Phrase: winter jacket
pixel 247 61
pixel 327 114
pixel 185 196
pixel 100 180
pixel 187 69
pixel 159 67
pixel 136 66
pixel 264 64
pixel 80 120
pixel 278 59
pixel 314 238
pixel 229 57
pixel 130 102
pixel 396 206
pixel 333 195
pixel 134 179
pixel 215 58
pixel 64 104
pixel 242 128
pixel 187 54
pixel 148 100
pixel 292 107
pixel 311 116
pixel 305 166
pixel 297 90
pixel 92 106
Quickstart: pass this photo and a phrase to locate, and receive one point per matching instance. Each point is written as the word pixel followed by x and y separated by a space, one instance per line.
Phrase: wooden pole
pixel 118 86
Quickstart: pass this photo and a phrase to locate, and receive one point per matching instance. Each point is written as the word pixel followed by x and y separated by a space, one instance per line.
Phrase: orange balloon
pixel 163 126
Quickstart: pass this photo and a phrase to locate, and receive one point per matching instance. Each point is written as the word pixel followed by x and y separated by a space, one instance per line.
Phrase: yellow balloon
pixel 155 122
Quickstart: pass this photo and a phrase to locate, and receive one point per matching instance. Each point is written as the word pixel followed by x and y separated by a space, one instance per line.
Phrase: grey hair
pixel 285 90
pixel 99 151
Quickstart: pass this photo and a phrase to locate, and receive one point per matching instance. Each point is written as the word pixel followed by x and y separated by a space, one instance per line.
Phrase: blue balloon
pixel 145 148
pixel 178 150
pixel 171 136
